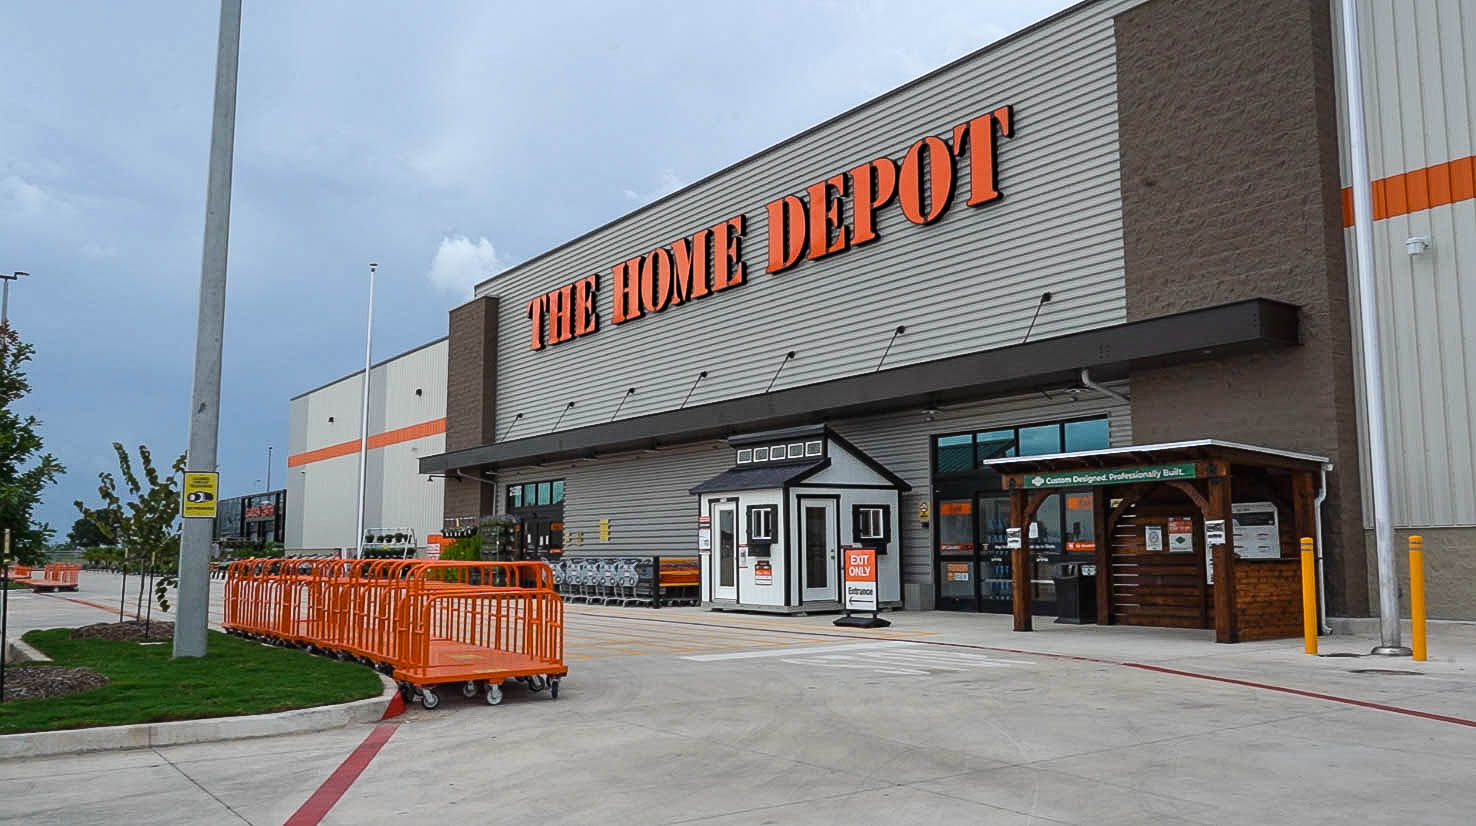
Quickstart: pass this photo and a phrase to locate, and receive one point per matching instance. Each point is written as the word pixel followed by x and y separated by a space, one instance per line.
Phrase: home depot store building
pixel 1126 225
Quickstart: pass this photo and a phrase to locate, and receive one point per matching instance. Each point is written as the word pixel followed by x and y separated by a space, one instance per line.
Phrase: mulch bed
pixel 132 631
pixel 34 682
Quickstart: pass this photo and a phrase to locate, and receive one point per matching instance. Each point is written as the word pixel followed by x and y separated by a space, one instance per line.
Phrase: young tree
pixel 146 527
pixel 23 473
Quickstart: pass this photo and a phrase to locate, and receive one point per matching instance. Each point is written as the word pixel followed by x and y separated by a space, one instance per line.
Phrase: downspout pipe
pixel 1086 381
pixel 1322 626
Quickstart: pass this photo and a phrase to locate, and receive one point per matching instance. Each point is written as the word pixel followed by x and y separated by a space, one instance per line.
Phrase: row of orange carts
pixel 429 624
pixel 54 576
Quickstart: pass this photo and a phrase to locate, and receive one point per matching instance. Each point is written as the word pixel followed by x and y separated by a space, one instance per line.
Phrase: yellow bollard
pixel 1309 594
pixel 1417 595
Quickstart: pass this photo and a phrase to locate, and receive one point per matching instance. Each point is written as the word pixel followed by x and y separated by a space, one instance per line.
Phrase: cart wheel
pixel 553 689
pixel 469 689
pixel 428 699
pixel 494 694
pixel 537 683
pixel 407 692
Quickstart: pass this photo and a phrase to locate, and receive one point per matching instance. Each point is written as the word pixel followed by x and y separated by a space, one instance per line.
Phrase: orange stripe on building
pixel 1433 186
pixel 433 427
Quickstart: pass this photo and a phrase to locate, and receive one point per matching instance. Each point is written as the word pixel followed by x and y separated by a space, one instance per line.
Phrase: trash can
pixel 1076 595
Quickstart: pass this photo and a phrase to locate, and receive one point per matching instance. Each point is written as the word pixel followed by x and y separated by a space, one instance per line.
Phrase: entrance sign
pixel 860 579
pixel 1112 476
pixel 201 495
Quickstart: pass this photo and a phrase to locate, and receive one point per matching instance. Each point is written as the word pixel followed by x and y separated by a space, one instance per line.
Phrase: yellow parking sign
pixel 200 495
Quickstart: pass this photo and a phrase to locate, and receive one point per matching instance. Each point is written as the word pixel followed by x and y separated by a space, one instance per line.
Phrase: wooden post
pixel 1101 508
pixel 1227 627
pixel 1019 563
pixel 1304 505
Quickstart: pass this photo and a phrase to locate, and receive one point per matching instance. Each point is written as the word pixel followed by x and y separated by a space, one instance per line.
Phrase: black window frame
pixel 760 546
pixel 557 491
pixel 879 543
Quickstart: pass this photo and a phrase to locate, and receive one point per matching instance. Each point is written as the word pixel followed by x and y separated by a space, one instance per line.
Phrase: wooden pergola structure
pixel 1165 532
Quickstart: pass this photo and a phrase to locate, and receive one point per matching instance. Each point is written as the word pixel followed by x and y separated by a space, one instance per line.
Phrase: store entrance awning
pixel 1110 353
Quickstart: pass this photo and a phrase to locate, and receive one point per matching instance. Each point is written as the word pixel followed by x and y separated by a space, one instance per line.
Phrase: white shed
pixel 772 526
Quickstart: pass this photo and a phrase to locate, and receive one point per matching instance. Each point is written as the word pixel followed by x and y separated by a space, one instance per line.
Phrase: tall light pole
pixel 364 418
pixel 194 545
pixel 5 301
pixel 269 467
pixel 1368 318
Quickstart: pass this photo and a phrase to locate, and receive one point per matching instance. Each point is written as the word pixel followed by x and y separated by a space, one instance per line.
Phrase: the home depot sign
pixel 830 217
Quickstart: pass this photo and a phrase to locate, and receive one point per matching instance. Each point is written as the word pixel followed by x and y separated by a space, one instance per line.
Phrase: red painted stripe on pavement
pixel 326 797
pixel 109 609
pixel 1443 718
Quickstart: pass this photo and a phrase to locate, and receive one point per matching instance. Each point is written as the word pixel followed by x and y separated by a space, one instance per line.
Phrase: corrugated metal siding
pixel 902 441
pixel 645 495
pixel 970 281
pixel 320 495
pixel 1419 84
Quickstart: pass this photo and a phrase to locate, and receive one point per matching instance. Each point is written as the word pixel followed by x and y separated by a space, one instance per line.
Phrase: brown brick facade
pixel 1268 599
pixel 471 394
pixel 1229 148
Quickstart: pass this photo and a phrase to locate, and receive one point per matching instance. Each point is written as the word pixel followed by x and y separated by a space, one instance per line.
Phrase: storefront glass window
pixel 558 491
pixel 955 453
pixel 545 493
pixel 956 526
pixel 1040 439
pixel 1088 435
pixel 1080 523
pixel 994 444
pixel 530 495
pixel 1048 526
pixel 514 496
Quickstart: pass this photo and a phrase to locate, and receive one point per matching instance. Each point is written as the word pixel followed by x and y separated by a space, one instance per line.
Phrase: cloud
pixel 669 183
pixel 92 249
pixel 461 263
pixel 28 198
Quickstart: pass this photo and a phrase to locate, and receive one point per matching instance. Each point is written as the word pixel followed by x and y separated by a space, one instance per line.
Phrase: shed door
pixel 725 550
pixel 819 549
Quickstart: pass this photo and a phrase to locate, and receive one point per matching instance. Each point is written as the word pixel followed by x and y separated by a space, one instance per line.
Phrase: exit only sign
pixel 860 580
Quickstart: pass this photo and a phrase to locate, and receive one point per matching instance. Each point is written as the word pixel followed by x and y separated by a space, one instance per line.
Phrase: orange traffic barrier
pixel 56 576
pixel 427 623
pixel 20 573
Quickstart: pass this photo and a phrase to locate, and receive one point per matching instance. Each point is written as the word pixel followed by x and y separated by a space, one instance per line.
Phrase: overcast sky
pixel 445 140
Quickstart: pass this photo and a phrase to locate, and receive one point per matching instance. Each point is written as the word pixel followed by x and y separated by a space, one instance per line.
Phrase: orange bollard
pixel 1417 596
pixel 1309 594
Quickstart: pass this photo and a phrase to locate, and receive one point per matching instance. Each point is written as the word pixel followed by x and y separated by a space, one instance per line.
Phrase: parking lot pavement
pixel 687 716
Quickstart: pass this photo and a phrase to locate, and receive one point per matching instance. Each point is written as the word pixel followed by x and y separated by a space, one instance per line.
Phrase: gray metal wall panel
pixel 1419 85
pixel 644 495
pixel 969 281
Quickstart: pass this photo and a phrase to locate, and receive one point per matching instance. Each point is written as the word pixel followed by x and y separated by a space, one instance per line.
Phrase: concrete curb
pixel 148 735
pixel 20 651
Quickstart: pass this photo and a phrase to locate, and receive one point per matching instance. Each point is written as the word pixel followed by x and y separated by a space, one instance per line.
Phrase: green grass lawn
pixel 148 686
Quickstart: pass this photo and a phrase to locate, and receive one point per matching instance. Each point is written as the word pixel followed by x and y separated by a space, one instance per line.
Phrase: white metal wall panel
pixel 320 495
pixel 968 282
pixel 1419 84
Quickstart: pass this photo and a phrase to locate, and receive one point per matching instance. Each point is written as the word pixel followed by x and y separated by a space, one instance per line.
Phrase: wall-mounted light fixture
pixel 1416 244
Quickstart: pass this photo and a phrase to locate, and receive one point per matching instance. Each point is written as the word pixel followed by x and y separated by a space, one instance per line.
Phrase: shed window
pixel 797 450
pixel 761 454
pixel 813 448
pixel 761 523
pixel 745 456
pixel 872 526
